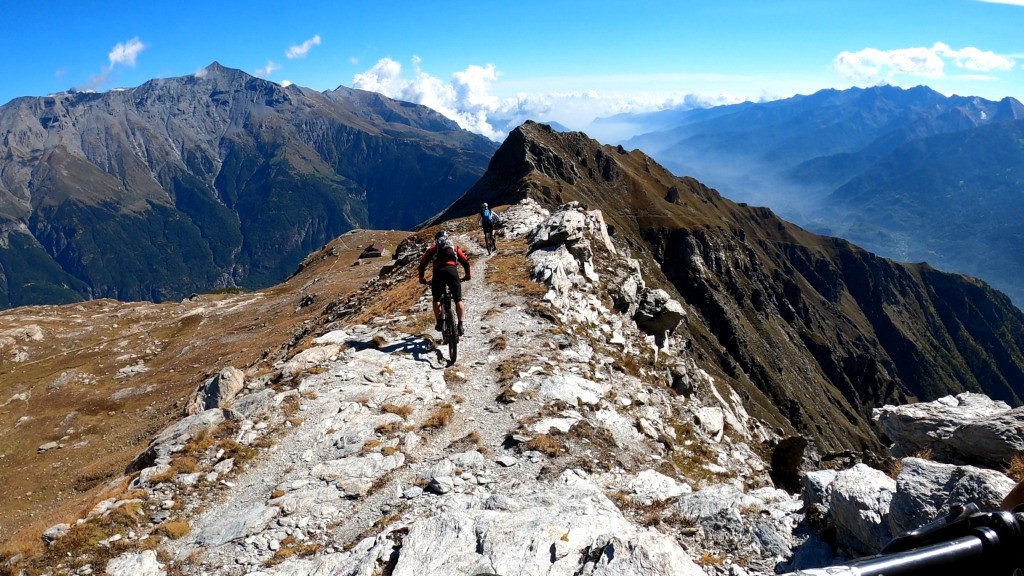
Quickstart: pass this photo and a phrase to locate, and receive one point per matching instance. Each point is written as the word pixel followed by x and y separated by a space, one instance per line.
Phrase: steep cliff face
pixel 215 179
pixel 813 330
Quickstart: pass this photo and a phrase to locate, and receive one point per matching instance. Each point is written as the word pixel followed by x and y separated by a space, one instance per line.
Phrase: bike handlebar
pixel 984 543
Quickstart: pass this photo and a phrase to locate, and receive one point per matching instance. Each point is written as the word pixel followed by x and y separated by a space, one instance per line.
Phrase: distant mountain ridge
pixel 212 180
pixel 892 170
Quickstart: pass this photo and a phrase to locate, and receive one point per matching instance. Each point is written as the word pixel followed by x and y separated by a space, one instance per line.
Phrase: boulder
pixel 926 490
pixel 859 504
pixel 963 429
pixel 657 313
pixel 142 563
pixel 218 391
pixel 173 438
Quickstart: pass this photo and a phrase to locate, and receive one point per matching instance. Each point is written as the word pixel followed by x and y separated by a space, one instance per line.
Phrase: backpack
pixel 446 251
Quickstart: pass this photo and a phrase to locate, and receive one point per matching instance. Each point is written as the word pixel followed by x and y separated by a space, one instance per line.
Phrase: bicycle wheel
pixel 452 332
pixel 491 247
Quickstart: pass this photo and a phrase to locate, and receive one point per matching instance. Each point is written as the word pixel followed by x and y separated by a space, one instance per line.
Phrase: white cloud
pixel 301 50
pixel 126 53
pixel 468 99
pixel 973 59
pixel 1010 2
pixel 385 77
pixel 267 70
pixel 881 66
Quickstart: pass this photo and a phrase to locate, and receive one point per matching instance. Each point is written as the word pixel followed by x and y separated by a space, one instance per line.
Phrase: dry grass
pixel 512 271
pixel 81 544
pixel 173 529
pixel 707 559
pixel 440 417
pixel 402 296
pixel 403 410
pixel 507 395
pixel 240 452
pixel 291 547
pixel 545 444
pixel 507 370
pixel 1015 470
pixel 389 429
pixel 73 370
pixel 895 467
pixel 498 343
pixel 453 376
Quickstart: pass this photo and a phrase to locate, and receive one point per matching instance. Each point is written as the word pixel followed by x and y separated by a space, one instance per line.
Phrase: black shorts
pixel 488 227
pixel 446 275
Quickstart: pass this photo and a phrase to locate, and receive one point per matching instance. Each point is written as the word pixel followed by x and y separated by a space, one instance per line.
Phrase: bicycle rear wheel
pixel 452 332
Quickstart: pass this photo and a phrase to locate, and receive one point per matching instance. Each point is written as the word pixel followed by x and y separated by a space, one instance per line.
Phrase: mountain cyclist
pixel 488 219
pixel 446 257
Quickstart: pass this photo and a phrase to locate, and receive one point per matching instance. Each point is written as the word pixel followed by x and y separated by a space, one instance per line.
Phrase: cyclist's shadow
pixel 421 347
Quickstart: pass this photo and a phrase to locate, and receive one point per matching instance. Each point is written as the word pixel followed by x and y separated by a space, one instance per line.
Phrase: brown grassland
pixel 106 376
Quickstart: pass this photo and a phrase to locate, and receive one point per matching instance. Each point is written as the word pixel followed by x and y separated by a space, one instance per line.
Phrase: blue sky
pixel 491 65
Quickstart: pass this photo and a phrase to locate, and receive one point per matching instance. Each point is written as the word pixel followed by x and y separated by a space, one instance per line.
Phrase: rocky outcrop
pixel 571 441
pixel 867 508
pixel 965 429
pixel 217 391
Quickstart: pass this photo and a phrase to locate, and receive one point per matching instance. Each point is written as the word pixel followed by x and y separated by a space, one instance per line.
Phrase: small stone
pixel 47 446
pixel 507 461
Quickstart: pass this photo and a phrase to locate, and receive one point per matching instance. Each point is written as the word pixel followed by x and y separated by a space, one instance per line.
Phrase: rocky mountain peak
pixel 811 329
pixel 223 178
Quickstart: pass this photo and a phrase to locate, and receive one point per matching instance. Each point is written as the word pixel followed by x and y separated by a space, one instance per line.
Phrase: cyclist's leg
pixel 436 289
pixel 456 288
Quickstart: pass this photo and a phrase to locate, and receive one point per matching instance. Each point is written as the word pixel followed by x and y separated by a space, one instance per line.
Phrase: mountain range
pixel 909 174
pixel 212 180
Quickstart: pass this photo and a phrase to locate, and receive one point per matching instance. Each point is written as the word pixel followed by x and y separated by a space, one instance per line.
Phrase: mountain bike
pixel 489 241
pixel 450 332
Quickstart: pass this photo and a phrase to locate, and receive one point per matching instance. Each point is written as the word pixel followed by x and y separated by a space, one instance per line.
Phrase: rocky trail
pixel 344 405
pixel 384 459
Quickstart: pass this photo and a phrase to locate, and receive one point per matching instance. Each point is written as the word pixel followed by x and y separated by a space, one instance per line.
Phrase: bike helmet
pixel 483 206
pixel 440 237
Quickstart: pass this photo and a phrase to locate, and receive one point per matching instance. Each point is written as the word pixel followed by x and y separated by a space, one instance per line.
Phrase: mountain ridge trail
pixel 416 364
